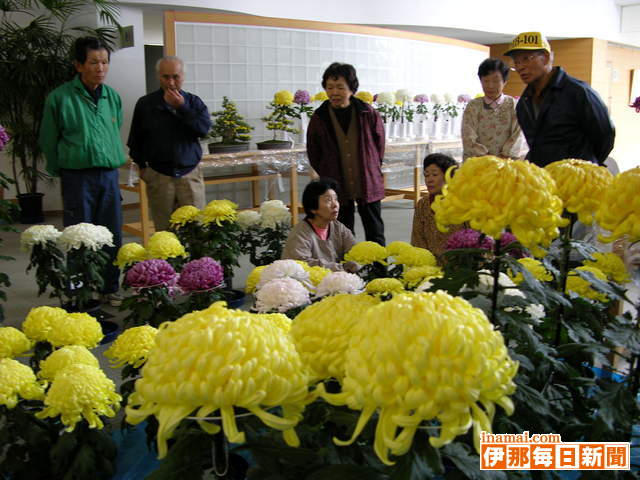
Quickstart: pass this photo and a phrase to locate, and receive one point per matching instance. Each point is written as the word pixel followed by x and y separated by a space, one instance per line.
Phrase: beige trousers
pixel 168 193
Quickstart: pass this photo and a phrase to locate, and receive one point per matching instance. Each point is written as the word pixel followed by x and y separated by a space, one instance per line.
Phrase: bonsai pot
pixel 220 147
pixel 275 145
pixel 31 207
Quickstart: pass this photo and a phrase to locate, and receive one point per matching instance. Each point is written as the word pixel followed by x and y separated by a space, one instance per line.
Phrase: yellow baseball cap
pixel 528 41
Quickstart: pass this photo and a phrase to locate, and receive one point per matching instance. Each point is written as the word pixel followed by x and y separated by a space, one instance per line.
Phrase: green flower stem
pixel 564 272
pixel 496 278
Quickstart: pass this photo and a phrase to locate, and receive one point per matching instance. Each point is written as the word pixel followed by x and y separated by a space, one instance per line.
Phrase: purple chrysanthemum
pixel 507 238
pixel 421 98
pixel 4 138
pixel 151 273
pixel 636 104
pixel 202 274
pixel 469 238
pixel 464 98
pixel 301 97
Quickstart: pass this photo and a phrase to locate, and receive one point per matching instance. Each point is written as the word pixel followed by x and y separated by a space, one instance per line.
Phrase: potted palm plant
pixel 35 46
pixel 231 128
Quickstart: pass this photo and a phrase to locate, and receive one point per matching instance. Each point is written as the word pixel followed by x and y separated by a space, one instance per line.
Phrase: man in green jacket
pixel 80 138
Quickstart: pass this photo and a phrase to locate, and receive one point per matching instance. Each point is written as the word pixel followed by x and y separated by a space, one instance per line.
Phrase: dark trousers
pixel 92 195
pixel 371 216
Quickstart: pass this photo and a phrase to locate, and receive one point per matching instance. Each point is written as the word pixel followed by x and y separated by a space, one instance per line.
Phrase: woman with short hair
pixel 345 142
pixel 425 233
pixel 489 123
pixel 320 239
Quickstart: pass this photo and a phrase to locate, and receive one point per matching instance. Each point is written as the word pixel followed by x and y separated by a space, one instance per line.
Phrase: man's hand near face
pixel 173 98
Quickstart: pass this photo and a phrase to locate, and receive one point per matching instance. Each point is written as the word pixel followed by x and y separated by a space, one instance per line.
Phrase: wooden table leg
pixel 417 184
pixel 293 179
pixel 145 220
pixel 255 187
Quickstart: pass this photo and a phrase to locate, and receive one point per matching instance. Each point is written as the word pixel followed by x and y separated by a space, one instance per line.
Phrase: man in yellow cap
pixel 560 116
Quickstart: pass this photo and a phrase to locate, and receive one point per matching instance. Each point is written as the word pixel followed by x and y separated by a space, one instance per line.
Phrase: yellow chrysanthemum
pixel 81 391
pixel 13 342
pixel 384 286
pixel 183 215
pixel 17 379
pixel 130 253
pixel 366 97
pixel 582 287
pixel 619 211
pixel 316 274
pixel 253 279
pixel 415 276
pixel 366 253
pixel 64 357
pixel 320 96
pixel 283 97
pixel 132 346
pixel 611 265
pixel 321 336
pixel 535 267
pixel 165 245
pixel 581 185
pixel 218 211
pixel 397 247
pixel 416 257
pixel 420 357
pixel 218 359
pixel 495 194
pixel 38 322
pixel 75 329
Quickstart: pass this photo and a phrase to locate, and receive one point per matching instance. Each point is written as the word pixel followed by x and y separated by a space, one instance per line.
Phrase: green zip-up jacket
pixel 76 133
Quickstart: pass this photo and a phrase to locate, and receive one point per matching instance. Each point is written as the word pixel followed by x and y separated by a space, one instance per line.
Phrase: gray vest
pixel 349 161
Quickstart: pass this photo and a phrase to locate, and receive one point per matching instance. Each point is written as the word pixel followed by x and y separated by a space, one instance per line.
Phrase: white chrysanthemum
pixel 274 213
pixel 535 311
pixel 386 98
pixel 448 98
pixel 340 282
pixel 87 235
pixel 281 294
pixel 435 98
pixel 38 235
pixel 282 269
pixel 248 218
pixel 404 95
pixel 485 285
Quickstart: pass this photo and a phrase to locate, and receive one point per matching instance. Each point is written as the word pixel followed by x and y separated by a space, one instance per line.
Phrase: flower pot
pixel 31 207
pixel 109 330
pixel 275 145
pixel 91 308
pixel 220 147
pixel 235 298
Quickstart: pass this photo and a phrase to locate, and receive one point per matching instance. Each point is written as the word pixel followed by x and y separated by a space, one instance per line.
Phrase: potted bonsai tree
pixel 280 120
pixel 35 43
pixel 231 128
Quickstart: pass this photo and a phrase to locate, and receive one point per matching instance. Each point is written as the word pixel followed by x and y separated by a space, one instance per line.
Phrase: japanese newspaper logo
pixel 548 452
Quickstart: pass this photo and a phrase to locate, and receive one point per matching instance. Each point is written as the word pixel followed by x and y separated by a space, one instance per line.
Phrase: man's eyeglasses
pixel 524 59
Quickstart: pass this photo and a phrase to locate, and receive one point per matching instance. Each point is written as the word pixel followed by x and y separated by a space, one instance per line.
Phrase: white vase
pixel 387 131
pixel 435 132
pixel 423 132
pixel 403 131
pixel 303 124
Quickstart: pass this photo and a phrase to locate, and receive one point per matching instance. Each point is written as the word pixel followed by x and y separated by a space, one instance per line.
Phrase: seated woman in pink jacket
pixel 320 239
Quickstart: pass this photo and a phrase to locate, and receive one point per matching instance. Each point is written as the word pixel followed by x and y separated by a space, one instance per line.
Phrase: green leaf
pixel 62 452
pixel 468 463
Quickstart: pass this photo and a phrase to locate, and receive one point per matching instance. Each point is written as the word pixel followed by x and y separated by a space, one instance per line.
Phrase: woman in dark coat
pixel 345 142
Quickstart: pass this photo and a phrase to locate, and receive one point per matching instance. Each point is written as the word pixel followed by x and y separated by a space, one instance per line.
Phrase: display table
pixel 268 164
